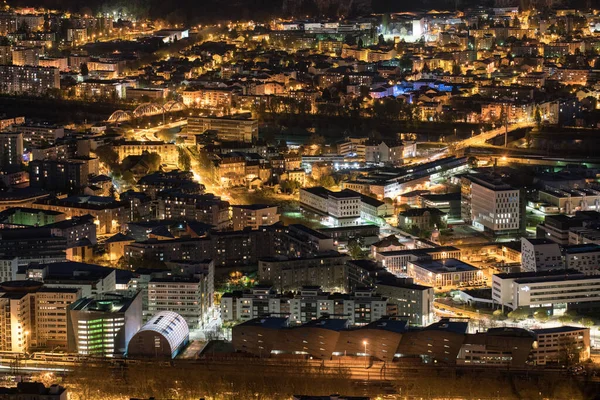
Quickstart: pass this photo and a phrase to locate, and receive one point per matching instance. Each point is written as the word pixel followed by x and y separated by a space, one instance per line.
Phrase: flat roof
pixel 445 266
pixel 581 248
pixel 558 329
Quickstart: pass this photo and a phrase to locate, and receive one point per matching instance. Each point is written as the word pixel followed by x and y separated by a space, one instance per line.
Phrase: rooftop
pixel 444 266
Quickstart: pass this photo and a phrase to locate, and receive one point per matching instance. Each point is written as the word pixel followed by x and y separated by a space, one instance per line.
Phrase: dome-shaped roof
pixel 171 326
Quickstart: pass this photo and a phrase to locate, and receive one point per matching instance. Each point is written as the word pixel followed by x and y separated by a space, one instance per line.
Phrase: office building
pixel 163 336
pixel 540 255
pixel 89 279
pixel 564 345
pixel 584 258
pixel 253 216
pixel 229 129
pixel 33 315
pixel 413 302
pixel 344 208
pixel 443 273
pixel 396 261
pixel 103 325
pixel 190 297
pixel 557 290
pixel 490 205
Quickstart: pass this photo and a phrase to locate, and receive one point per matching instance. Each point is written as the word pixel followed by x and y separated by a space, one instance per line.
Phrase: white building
pixel 253 215
pixel 346 207
pixel 189 297
pixel 8 269
pixel 443 273
pixel 584 258
pixel 495 205
pixel 540 255
pixel 569 201
pixel 555 289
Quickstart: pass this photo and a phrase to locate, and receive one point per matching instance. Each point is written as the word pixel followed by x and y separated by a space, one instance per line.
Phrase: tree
pixel 83 68
pixel 565 319
pixel 107 155
pixel 541 315
pixel 498 315
pixel 316 139
pixel 538 117
pixel 354 250
pixel 456 69
pixel 518 314
pixel 472 162
pixel 327 181
pixel 587 322
pixel 153 161
pixel 184 161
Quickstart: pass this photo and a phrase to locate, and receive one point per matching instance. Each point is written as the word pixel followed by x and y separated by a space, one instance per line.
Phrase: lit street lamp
pixel 366 361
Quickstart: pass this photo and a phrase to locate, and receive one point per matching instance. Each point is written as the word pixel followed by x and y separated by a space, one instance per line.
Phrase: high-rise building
pixel 490 204
pixel 33 316
pixel 189 297
pixel 104 325
pixel 15 79
pixel 58 175
pixel 11 149
pixel 26 56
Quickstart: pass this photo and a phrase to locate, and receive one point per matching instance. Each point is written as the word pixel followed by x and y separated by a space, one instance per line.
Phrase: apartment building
pixel 326 271
pixel 34 316
pixel 15 79
pixel 253 216
pixel 360 307
pixel 11 146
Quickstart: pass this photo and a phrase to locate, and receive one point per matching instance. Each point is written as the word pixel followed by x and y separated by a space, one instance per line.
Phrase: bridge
pixel 146 110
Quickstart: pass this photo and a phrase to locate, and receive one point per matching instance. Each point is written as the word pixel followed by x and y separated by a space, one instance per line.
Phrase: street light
pixel 365 343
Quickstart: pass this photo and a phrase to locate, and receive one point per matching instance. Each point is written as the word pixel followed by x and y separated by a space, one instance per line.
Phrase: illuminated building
pixel 163 336
pixel 16 79
pixel 104 325
pixel 34 316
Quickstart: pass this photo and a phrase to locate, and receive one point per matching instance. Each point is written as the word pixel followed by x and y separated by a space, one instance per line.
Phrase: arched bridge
pixel 146 110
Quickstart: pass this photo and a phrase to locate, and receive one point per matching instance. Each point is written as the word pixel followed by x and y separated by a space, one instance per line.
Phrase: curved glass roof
pixel 171 325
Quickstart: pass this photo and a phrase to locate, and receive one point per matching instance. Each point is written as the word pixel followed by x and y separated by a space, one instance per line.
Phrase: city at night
pixel 300 200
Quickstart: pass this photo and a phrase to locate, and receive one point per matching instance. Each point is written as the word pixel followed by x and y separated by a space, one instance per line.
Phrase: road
pixel 149 133
pixel 479 140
